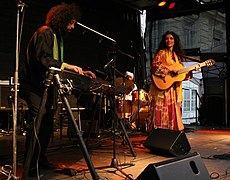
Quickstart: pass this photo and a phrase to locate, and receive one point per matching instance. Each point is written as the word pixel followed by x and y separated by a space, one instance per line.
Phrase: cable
pixel 216 175
pixel 39 151
pixel 7 171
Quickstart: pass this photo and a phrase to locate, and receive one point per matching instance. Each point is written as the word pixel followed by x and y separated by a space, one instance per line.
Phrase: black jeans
pixel 33 99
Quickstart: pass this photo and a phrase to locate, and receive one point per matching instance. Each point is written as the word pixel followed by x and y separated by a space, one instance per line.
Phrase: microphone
pixel 100 72
pixel 108 63
pixel 21 3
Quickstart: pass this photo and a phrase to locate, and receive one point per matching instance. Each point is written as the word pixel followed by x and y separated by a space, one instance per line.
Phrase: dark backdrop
pixel 82 47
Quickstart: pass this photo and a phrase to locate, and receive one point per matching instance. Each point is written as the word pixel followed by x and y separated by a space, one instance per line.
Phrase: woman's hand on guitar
pixel 197 67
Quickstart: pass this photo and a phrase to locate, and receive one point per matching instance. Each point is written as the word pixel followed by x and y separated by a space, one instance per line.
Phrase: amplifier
pixel 6 95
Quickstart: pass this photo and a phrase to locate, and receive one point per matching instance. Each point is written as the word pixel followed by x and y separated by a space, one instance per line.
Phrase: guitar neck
pixel 189 68
pixel 164 83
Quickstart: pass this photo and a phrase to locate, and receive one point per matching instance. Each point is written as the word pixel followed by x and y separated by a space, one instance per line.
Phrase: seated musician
pixel 130 77
pixel 130 99
pixel 45 50
pixel 126 86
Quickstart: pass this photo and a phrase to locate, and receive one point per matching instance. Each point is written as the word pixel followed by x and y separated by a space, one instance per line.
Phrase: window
pixel 186 103
pixel 189 103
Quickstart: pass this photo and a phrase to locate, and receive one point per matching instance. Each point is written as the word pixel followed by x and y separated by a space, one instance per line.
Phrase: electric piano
pixel 86 83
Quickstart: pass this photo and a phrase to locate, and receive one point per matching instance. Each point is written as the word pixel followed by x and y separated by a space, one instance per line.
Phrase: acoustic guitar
pixel 164 83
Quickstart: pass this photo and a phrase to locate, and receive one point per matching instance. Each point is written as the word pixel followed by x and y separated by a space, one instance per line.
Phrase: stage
pixel 210 144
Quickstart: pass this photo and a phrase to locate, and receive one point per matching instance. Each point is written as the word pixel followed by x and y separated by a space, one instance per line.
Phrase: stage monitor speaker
pixel 167 142
pixel 189 167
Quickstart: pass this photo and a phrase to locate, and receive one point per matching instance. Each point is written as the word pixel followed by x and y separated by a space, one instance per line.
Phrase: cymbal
pixel 123 86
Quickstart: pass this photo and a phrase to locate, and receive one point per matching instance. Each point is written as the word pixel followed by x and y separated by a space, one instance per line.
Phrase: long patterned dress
pixel 165 106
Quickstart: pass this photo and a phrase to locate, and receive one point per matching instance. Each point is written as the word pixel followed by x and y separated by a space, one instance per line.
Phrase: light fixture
pixel 161 3
pixel 172 5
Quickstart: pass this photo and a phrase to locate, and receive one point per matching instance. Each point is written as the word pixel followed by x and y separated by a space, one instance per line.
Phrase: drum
pixel 143 116
pixel 144 113
pixel 142 97
pixel 124 108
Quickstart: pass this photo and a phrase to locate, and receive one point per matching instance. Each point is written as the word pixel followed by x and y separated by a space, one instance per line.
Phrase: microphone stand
pixel 20 8
pixel 122 111
pixel 114 162
pixel 97 32
pixel 117 121
pixel 138 94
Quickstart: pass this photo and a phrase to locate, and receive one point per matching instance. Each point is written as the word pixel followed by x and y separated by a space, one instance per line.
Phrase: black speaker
pixel 7 98
pixel 189 167
pixel 5 95
pixel 167 142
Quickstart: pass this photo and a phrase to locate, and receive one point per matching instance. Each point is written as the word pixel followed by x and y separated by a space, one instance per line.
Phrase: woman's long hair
pixel 177 48
pixel 60 15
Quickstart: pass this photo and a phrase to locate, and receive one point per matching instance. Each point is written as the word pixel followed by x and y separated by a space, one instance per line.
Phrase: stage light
pixel 161 3
pixel 172 5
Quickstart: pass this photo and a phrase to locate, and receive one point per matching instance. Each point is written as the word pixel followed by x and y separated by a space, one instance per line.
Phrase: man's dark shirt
pixel 39 58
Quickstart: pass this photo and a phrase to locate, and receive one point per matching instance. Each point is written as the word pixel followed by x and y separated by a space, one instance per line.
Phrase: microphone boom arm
pixel 97 33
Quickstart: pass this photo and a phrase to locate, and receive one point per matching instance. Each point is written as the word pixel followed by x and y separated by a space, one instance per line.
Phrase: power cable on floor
pixel 216 175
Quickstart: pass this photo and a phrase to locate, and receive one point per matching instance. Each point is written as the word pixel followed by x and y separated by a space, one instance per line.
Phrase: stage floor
pixel 211 144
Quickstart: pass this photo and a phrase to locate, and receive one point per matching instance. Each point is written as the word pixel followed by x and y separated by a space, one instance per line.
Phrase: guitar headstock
pixel 209 62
